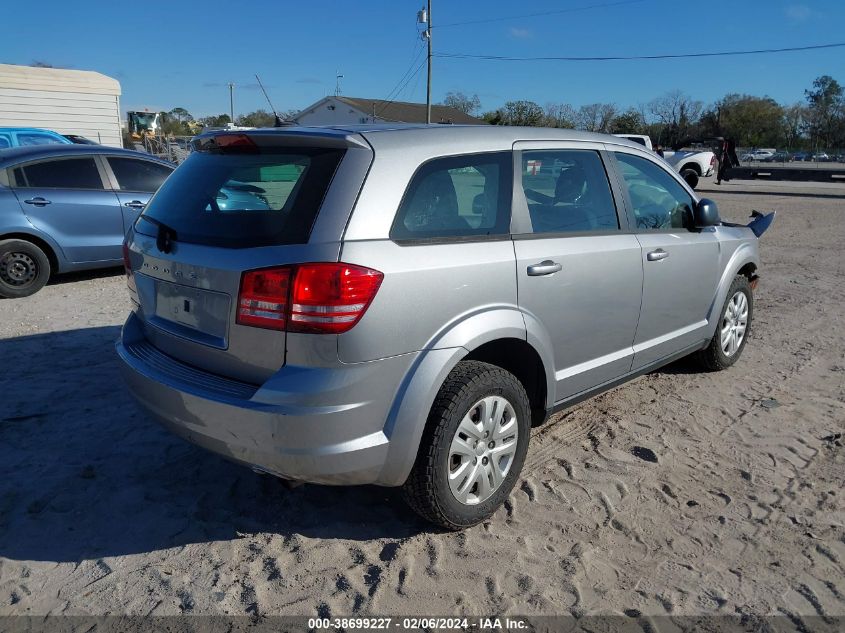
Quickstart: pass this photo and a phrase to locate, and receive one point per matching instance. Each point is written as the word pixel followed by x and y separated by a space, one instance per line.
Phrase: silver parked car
pixel 405 303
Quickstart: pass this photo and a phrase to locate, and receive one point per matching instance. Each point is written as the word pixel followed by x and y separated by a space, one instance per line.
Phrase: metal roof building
pixel 67 101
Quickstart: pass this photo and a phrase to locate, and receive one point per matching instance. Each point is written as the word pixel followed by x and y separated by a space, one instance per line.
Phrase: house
pixel 338 110
pixel 79 102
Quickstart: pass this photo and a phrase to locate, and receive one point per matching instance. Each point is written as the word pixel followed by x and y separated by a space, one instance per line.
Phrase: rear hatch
pixel 241 202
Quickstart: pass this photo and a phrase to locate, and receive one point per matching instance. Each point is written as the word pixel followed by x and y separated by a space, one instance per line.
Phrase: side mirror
pixel 706 213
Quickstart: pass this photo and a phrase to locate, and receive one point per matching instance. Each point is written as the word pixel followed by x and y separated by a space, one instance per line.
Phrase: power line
pixel 542 13
pixel 639 57
pixel 393 94
pixel 401 89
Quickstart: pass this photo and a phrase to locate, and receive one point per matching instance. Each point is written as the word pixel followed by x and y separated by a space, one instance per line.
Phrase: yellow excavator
pixel 143 124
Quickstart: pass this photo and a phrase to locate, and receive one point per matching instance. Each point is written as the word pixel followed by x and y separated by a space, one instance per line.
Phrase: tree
pixel 826 113
pixel 460 101
pixel 751 121
pixel 596 117
pixel 677 114
pixel 629 122
pixel 494 117
pixel 181 115
pixel 218 120
pixel 522 113
pixel 794 120
pixel 559 115
pixel 259 118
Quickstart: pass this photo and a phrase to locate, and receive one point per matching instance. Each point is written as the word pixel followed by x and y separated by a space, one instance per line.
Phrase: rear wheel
pixel 473 446
pixel 691 177
pixel 733 329
pixel 24 268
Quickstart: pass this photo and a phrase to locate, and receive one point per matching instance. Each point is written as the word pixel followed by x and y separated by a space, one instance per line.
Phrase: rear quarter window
pixel 457 196
pixel 133 174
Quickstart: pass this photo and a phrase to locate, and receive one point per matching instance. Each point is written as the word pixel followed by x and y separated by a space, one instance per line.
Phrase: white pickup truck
pixel 691 164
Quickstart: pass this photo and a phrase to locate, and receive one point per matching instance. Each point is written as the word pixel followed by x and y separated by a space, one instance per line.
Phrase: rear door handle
pixel 38 201
pixel 545 267
pixel 656 256
pixel 135 204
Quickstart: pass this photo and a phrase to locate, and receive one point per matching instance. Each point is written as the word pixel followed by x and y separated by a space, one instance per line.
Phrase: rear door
pixel 134 181
pixel 67 198
pixel 578 266
pixel 680 264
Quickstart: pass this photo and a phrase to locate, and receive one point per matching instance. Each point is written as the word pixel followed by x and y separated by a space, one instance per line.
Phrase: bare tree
pixel 794 120
pixel 675 108
pixel 560 115
pixel 462 102
pixel 596 117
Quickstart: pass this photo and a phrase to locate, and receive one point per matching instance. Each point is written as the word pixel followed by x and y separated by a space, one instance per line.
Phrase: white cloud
pixel 798 12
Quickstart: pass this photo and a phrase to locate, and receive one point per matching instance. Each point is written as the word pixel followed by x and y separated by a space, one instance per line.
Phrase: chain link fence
pixel 173 148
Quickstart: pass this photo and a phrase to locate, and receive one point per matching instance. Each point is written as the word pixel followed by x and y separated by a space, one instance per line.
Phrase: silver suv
pixel 398 306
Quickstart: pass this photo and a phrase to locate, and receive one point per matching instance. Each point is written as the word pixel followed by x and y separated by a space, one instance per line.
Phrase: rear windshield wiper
pixel 165 235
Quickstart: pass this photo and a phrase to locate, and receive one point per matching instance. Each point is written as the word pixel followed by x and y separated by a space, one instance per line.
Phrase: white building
pixel 65 101
pixel 337 110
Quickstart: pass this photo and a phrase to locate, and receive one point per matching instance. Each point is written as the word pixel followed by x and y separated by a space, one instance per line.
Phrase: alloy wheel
pixel 734 324
pixel 482 451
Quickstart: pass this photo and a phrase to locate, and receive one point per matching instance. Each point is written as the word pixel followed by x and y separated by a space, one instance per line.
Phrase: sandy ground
pixel 101 511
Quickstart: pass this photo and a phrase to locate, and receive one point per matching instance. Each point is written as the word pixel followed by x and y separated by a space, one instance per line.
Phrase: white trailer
pixel 79 102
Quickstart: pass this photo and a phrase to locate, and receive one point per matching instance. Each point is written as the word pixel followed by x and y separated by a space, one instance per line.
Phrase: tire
pixel 469 388
pixel 717 356
pixel 691 177
pixel 24 268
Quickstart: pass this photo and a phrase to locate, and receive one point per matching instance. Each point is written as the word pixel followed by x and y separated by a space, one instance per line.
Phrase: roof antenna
pixel 337 79
pixel 277 120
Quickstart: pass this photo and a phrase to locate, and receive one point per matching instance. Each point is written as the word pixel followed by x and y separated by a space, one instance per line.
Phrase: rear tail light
pixel 713 160
pixel 262 301
pixel 331 298
pixel 319 298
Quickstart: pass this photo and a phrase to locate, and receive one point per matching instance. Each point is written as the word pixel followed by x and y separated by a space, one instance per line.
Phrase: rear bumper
pixel 317 424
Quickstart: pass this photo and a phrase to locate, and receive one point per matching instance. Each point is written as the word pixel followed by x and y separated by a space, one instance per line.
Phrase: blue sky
pixel 183 53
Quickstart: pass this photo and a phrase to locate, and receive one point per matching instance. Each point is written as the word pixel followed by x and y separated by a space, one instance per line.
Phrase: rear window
pixel 457 196
pixel 243 200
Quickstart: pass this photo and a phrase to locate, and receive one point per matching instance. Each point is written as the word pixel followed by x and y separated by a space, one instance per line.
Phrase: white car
pixel 692 165
pixel 759 154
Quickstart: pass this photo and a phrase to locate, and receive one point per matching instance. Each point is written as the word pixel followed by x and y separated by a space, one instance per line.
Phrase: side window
pixel 73 173
pixel 33 138
pixel 138 175
pixel 567 191
pixel 659 201
pixel 457 196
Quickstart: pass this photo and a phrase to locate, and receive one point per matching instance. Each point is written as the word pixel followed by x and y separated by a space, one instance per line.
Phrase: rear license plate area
pixel 193 313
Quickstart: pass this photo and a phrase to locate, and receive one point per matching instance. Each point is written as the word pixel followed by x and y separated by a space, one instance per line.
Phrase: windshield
pixel 238 200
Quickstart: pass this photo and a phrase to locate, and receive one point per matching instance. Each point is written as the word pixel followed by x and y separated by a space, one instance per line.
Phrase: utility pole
pixel 232 102
pixel 428 87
